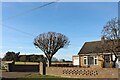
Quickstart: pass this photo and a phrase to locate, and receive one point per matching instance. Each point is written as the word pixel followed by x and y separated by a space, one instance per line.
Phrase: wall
pixel 4 65
pixel 23 68
pixel 119 73
pixel 26 68
pixel 76 60
pixel 75 72
pixel 100 61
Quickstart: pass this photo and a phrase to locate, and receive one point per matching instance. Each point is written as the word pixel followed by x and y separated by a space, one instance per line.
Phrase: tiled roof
pixel 93 47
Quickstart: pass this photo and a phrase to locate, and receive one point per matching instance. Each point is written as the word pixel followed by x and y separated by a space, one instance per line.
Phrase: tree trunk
pixel 49 62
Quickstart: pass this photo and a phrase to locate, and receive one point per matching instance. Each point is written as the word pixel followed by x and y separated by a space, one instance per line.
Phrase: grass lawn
pixel 26 63
pixel 21 62
pixel 37 75
pixel 2 70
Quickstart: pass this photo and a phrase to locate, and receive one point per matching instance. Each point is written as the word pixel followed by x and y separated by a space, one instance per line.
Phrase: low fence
pixel 76 72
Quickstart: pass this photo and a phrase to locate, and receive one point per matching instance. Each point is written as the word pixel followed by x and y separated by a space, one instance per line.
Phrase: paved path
pixel 16 74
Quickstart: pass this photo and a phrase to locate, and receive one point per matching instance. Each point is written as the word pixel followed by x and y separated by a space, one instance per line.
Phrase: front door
pixel 107 61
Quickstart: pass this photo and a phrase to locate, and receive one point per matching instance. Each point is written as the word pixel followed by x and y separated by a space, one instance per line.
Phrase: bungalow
pixel 92 55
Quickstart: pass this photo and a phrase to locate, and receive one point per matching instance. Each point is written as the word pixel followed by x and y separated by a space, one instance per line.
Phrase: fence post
pixel 42 68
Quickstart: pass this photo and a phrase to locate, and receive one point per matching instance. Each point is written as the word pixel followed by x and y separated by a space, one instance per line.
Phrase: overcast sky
pixel 80 22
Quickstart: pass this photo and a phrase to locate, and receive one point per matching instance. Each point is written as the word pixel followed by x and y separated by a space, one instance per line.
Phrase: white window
pixel 90 60
pixel 85 60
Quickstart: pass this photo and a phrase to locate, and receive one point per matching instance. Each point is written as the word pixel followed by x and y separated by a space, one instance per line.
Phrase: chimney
pixel 102 40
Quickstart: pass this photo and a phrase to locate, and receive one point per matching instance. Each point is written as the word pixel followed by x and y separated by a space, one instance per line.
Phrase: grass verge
pixel 45 77
pixel 26 63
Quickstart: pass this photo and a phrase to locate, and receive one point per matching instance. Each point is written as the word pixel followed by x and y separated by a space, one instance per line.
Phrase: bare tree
pixel 50 43
pixel 111 34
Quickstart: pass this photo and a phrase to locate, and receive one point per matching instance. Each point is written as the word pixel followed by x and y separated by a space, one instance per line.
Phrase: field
pixel 30 63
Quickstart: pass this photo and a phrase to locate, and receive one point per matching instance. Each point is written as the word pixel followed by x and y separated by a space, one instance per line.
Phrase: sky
pixel 80 21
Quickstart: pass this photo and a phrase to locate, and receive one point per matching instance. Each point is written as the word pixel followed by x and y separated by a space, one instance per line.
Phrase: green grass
pixel 37 76
pixel 26 63
pixel 2 70
pixel 22 62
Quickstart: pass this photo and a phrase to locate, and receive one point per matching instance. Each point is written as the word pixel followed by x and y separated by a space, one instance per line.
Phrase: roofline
pixel 93 41
pixel 94 53
pixel 75 55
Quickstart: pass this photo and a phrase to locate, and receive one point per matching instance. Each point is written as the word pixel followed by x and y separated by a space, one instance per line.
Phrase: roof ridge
pixel 93 41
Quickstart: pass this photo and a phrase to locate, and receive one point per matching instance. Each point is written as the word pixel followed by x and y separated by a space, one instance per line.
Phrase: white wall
pixel 76 60
pixel 117 62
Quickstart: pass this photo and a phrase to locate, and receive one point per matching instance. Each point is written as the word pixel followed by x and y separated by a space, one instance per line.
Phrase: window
pixel 90 60
pixel 85 60
pixel 107 58
pixel 95 60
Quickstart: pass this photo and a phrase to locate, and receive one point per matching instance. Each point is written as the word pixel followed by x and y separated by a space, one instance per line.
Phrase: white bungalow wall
pixel 76 60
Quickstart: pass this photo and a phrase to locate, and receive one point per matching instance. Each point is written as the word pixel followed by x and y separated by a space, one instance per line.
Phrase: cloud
pixel 31 53
pixel 2 55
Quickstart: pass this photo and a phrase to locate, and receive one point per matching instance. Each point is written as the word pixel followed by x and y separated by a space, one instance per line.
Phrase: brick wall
pixel 119 73
pixel 75 72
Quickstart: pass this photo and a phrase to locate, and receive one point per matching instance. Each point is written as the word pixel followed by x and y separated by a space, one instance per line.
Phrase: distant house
pixel 31 58
pixel 92 55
